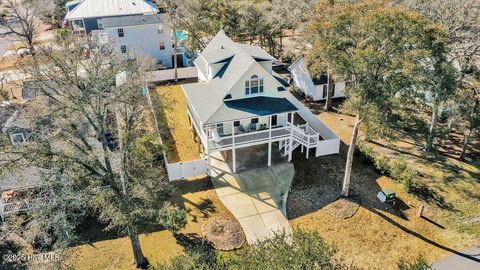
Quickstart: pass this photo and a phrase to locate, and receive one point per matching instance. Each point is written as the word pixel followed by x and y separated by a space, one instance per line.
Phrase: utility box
pixel 387 195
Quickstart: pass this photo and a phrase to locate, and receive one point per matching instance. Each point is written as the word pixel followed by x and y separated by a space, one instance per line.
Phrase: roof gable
pixel 207 97
pixel 105 8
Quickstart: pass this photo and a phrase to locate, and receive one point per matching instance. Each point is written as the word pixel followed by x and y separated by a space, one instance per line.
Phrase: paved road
pixel 256 198
pixel 466 260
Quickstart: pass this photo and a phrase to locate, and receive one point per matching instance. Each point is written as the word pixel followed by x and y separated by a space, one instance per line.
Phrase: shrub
pixel 61 35
pixel 365 152
pixel 304 250
pixel 382 164
pixel 397 169
pixel 419 264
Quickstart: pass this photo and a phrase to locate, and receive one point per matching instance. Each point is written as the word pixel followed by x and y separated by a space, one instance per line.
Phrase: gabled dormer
pixel 256 80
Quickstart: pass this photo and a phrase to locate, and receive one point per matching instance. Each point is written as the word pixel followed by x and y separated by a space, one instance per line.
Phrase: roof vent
pixel 222 47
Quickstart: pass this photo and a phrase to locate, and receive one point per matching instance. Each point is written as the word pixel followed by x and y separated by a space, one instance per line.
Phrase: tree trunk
pixel 140 260
pixel 433 124
pixel 465 144
pixel 328 101
pixel 348 166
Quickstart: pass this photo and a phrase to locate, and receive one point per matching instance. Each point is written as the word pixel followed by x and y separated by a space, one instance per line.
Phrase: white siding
pixel 269 82
pixel 144 40
pixel 267 65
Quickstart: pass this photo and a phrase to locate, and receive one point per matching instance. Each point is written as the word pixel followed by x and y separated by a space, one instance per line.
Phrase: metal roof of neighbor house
pixel 251 107
pixel 105 8
pixel 133 20
pixel 207 97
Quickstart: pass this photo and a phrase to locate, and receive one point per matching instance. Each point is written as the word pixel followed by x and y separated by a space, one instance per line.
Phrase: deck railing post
pixel 269 140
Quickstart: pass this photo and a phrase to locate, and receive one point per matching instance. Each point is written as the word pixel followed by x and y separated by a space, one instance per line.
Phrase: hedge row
pixel 397 169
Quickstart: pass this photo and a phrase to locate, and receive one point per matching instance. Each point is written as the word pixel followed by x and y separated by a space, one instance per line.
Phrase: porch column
pixel 269 140
pixel 286 141
pixel 209 161
pixel 234 156
pixel 290 150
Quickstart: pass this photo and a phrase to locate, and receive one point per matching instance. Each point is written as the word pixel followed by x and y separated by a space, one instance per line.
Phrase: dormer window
pixel 254 85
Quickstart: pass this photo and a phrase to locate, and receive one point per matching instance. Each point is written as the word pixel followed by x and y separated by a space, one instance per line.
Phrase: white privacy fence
pixel 182 170
pixel 330 143
pixel 327 147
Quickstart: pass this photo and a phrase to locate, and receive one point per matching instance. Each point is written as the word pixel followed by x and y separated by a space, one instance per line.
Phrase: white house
pixel 315 88
pixel 132 26
pixel 238 102
pixel 146 35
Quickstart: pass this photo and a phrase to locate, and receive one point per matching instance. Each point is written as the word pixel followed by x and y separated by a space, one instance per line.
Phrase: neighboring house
pixel 86 15
pixel 315 88
pixel 132 26
pixel 147 35
pixel 239 102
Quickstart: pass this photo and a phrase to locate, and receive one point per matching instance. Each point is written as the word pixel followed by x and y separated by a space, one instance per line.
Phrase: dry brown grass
pixel 171 109
pixel 201 202
pixel 378 235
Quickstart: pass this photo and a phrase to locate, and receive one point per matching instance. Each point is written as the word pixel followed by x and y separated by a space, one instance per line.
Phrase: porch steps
pixel 285 147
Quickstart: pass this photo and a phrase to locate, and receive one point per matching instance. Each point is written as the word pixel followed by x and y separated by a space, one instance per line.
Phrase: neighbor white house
pixel 239 102
pixel 131 26
pixel 316 88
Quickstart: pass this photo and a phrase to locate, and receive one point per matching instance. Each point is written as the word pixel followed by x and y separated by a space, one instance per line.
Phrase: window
pixel 220 129
pixel 236 123
pixel 77 24
pixel 160 29
pixel 254 85
pixel 247 88
pixel 254 120
pixel 15 138
pixel 100 23
pixel 120 32
pixel 123 48
pixel 274 120
pixel 162 45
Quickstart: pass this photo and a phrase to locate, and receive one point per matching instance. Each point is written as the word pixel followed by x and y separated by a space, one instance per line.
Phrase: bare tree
pixel 21 18
pixel 97 143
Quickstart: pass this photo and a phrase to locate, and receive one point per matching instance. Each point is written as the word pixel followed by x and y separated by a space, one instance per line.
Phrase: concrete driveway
pixel 467 260
pixel 255 197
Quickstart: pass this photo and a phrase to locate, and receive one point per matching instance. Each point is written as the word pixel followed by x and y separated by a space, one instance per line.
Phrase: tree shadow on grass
pixel 423 238
pixel 195 244
pixel 429 195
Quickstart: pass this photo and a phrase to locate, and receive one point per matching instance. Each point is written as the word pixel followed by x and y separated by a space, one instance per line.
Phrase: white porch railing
pixel 249 138
pixel 21 206
pixel 305 135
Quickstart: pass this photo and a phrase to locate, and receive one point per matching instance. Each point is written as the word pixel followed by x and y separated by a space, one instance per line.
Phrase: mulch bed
pixel 224 234
pixel 343 208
